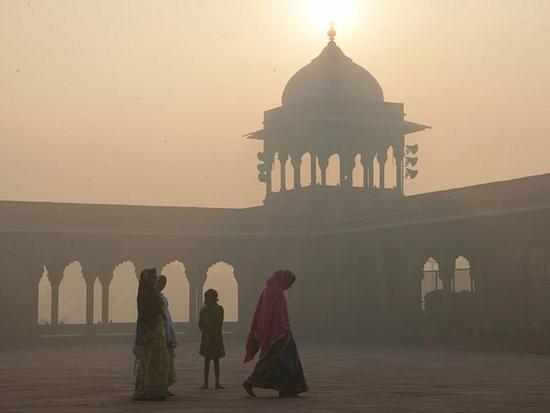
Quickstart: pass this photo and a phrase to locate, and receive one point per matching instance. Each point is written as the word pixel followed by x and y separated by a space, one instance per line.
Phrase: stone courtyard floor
pixel 342 377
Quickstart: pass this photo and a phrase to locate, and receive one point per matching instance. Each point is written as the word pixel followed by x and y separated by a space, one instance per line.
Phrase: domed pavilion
pixel 333 106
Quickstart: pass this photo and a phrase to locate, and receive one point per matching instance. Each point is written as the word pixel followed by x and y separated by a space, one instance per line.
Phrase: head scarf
pixel 149 305
pixel 270 321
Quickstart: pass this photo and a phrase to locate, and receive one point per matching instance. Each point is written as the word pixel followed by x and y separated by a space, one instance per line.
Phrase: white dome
pixel 332 75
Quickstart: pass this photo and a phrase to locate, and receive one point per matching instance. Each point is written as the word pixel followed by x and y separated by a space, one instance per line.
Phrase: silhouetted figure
pixel 152 357
pixel 210 325
pixel 171 342
pixel 279 365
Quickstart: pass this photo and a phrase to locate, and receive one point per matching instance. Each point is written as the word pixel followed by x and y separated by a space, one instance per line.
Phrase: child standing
pixel 210 325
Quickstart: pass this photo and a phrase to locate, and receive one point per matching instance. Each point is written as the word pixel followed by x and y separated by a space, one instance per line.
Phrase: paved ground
pixel 343 378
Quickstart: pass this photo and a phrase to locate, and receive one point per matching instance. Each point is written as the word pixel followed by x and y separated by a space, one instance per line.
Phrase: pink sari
pixel 270 322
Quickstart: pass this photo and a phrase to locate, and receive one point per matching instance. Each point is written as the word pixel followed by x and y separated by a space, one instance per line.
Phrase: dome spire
pixel 331 32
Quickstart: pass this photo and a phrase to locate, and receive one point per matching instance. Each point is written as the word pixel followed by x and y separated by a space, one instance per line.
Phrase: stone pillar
pixel 283 157
pixel 346 169
pixel 382 158
pixel 446 273
pixel 105 285
pixel 313 172
pixel 323 165
pixel 366 161
pixel 370 167
pixel 342 170
pixel 398 155
pixel 56 271
pixel 194 302
pixel 55 282
pixel 296 161
pixel 89 300
pixel 196 276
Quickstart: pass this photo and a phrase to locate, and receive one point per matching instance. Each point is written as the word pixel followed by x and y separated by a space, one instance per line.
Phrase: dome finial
pixel 331 32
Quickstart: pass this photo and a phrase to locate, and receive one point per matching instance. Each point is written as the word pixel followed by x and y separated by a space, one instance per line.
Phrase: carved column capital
pixel 269 158
pixel 398 149
pixel 382 155
pixel 196 272
pixel 323 160
pixel 283 157
pixel 55 272
pixel 296 159
pixel 366 159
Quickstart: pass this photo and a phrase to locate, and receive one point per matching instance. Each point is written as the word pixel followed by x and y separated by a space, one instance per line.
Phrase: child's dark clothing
pixel 210 325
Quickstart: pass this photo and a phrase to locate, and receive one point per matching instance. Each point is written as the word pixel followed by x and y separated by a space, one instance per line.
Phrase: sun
pixel 321 13
pixel 325 11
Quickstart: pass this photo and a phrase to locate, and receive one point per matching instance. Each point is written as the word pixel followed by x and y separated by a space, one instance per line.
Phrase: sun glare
pixel 323 12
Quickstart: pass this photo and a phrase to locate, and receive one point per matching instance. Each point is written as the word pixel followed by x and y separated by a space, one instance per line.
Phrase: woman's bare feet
pixel 169 393
pixel 249 388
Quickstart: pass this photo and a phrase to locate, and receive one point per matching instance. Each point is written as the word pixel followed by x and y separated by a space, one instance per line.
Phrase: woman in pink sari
pixel 279 366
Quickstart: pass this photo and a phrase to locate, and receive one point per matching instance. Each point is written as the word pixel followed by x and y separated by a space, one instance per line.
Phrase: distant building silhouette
pixel 359 246
pixel 333 106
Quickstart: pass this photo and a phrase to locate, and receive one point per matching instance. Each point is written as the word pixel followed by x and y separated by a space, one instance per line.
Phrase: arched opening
pixel 462 281
pixel 390 170
pixel 276 174
pixel 122 294
pixel 289 177
pixel 72 295
pixel 333 170
pixel 44 299
pixel 177 291
pixel 305 169
pixel 375 172
pixel 357 173
pixel 97 301
pixel 431 280
pixel 221 277
pixel 318 168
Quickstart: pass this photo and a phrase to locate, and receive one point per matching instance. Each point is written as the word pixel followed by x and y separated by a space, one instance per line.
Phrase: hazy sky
pixel 145 102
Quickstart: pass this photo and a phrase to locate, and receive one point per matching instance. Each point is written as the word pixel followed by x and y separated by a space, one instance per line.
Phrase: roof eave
pixel 411 127
pixel 258 135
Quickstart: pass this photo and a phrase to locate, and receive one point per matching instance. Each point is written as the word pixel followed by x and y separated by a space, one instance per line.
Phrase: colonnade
pixel 196 277
pixel 347 164
pixel 374 278
pixel 393 285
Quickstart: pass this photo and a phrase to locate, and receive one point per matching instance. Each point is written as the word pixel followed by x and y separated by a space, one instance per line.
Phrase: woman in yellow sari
pixel 152 354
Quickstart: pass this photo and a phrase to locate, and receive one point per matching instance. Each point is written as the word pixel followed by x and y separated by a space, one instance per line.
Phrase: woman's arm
pixel 202 327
